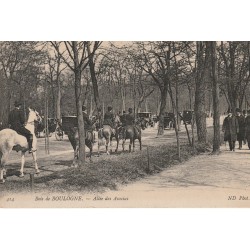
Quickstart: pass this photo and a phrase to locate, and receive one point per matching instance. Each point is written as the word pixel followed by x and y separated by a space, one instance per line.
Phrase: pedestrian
pixel 241 122
pixel 17 123
pixel 247 128
pixel 230 128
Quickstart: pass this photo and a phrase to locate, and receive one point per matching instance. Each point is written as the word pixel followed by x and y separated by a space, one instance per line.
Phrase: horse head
pixel 141 123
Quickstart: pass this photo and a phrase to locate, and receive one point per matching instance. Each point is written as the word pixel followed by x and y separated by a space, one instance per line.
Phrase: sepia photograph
pixel 124 124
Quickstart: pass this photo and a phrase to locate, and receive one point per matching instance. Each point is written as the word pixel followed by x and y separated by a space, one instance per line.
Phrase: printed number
pixel 10 199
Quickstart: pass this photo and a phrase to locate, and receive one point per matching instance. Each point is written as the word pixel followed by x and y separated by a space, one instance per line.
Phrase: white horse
pixel 11 140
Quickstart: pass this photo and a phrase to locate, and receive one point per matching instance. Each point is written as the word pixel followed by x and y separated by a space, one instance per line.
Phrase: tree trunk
pixel 58 102
pixel 162 110
pixel 200 111
pixel 77 72
pixel 80 121
pixel 216 103
pixel 4 104
pixel 94 79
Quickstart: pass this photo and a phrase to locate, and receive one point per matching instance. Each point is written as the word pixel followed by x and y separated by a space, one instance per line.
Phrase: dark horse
pixel 133 132
pixel 73 136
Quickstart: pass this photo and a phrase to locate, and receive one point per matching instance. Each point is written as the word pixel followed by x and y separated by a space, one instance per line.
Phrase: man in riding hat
pixel 230 128
pixel 109 118
pixel 87 121
pixel 17 123
pixel 241 122
pixel 87 124
pixel 129 118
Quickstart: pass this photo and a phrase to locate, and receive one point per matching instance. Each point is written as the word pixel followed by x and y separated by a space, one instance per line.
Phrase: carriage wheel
pixel 59 134
pixel 45 132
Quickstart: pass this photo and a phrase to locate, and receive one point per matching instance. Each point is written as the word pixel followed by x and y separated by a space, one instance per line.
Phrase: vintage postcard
pixel 152 124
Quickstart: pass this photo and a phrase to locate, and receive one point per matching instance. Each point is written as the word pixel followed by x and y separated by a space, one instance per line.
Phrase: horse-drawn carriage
pixel 169 120
pixel 41 128
pixel 68 123
pixel 187 116
pixel 53 126
pixel 147 117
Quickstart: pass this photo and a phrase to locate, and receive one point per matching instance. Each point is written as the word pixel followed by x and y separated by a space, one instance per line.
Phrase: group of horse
pixel 106 134
pixel 11 140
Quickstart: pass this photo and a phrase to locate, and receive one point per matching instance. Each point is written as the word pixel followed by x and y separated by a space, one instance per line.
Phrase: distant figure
pixel 241 123
pixel 230 128
pixel 247 128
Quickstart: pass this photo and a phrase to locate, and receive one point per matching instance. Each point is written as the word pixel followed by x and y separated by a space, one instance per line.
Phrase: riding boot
pixel 233 145
pixel 240 144
pixel 30 142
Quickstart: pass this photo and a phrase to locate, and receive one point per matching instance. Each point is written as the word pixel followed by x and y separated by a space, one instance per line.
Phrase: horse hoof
pixel 2 181
pixel 21 175
pixel 37 172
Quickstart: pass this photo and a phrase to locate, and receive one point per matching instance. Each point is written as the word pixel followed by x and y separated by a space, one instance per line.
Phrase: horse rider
pixel 241 122
pixel 129 118
pixel 99 119
pixel 123 117
pixel 109 118
pixel 17 123
pixel 87 121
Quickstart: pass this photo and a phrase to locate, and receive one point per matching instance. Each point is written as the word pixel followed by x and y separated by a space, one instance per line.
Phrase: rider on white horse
pixel 17 123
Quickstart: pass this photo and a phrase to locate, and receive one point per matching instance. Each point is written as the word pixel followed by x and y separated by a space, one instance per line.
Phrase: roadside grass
pixel 110 173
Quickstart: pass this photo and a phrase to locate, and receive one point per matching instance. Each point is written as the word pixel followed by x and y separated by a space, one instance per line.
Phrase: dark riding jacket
pixel 241 123
pixel 108 119
pixel 16 119
pixel 87 122
pixel 129 119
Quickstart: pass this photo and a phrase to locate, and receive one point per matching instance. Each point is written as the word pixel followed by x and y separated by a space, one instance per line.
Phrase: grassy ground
pixel 109 174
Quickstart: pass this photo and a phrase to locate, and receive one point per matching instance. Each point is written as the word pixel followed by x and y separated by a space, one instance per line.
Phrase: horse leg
pixel 22 164
pixel 35 162
pixel 111 144
pixel 130 144
pixel 74 164
pixel 133 145
pixel 123 144
pixel 90 152
pixel 107 146
pixel 139 141
pixel 4 158
pixel 117 143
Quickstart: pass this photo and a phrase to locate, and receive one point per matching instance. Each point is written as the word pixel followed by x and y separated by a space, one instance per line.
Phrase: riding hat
pixel 109 108
pixel 130 110
pixel 237 110
pixel 84 108
pixel 17 104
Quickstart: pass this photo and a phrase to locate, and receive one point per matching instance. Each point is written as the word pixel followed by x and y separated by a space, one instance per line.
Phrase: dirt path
pixel 204 181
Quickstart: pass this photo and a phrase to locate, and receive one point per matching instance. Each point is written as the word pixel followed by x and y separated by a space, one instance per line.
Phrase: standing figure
pixel 17 123
pixel 230 128
pixel 241 123
pixel 247 128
